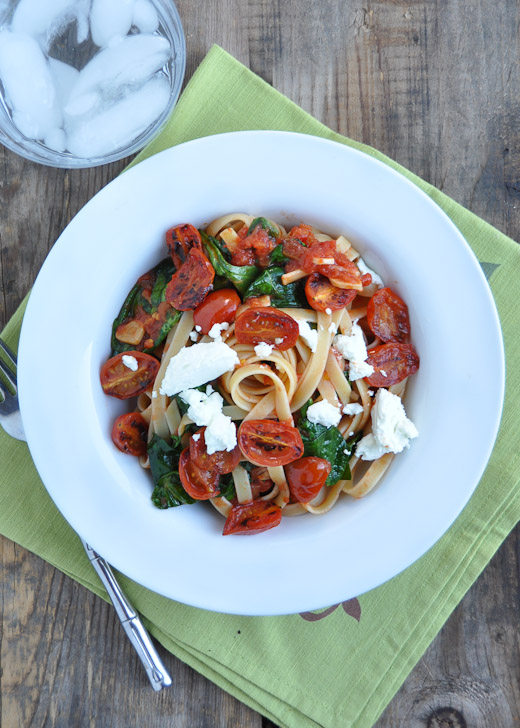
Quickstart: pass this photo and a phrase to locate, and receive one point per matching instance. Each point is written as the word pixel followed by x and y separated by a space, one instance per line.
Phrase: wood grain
pixel 435 85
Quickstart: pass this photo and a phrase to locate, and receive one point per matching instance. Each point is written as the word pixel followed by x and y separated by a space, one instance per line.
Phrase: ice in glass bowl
pixel 87 82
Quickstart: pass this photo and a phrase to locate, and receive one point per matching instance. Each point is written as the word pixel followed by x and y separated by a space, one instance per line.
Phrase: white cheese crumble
pixel 310 336
pixel 196 365
pixel 130 362
pixel 333 329
pixel 324 413
pixel 154 394
pixel 263 349
pixel 352 347
pixel 217 329
pixel 194 336
pixel 391 428
pixel 206 411
pixel 382 371
pixel 196 437
pixel 353 408
pixel 363 268
pixel 198 328
pixel 278 340
pixel 328 311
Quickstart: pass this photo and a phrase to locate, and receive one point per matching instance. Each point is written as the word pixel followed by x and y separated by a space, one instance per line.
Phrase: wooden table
pixel 435 85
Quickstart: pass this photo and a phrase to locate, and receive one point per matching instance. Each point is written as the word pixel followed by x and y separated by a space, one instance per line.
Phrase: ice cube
pixel 122 122
pixel 145 16
pixel 130 62
pixel 56 139
pixel 34 17
pixel 74 12
pixel 64 76
pixel 109 19
pixel 28 82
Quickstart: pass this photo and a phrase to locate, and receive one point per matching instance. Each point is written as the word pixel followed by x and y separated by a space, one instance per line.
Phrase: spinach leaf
pixel 154 282
pixel 266 224
pixel 270 282
pixel 227 486
pixel 277 256
pixel 164 464
pixel 327 443
pixel 241 276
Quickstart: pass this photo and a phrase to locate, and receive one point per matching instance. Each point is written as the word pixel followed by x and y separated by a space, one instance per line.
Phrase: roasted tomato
pixel 392 362
pixel 180 240
pixel 343 274
pixel 387 316
pixel 218 307
pixel 306 477
pixel 304 233
pixel 223 460
pixel 130 433
pixel 269 442
pixel 120 381
pixel 321 294
pixel 200 484
pixel 260 482
pixel 189 286
pixel 255 325
pixel 250 518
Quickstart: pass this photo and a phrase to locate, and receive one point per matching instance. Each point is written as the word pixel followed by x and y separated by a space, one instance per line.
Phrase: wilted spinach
pixel 327 443
pixel 241 276
pixel 164 465
pixel 270 283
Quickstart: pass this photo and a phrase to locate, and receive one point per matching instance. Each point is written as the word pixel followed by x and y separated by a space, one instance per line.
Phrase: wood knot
pixel 446 718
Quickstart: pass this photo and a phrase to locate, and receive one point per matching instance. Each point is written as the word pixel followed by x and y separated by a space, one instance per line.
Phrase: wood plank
pixel 435 85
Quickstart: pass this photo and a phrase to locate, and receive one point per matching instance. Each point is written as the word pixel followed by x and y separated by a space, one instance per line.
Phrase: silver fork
pixel 11 422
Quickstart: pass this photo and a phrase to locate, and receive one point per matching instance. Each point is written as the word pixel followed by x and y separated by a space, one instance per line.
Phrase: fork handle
pixel 131 623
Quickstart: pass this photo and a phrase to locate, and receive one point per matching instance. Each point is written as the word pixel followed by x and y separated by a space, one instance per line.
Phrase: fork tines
pixel 9 372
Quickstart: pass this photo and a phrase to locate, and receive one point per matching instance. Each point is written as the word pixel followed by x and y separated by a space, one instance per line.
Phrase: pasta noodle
pixel 314 342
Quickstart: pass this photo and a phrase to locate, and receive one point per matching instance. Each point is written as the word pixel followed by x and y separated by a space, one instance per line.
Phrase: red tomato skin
pixel 200 484
pixel 322 294
pixel 190 284
pixel 179 241
pixel 130 433
pixel 306 477
pixel 251 518
pixel 269 442
pixel 387 316
pixel 302 232
pixel 121 382
pixel 397 360
pixel 258 324
pixel 223 461
pixel 218 307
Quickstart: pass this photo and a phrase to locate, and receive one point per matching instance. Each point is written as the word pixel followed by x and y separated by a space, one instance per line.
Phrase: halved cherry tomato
pixel 200 484
pixel 250 518
pixel 387 316
pixel 343 274
pixel 255 325
pixel 189 286
pixel 223 460
pixel 180 240
pixel 260 482
pixel 269 442
pixel 120 381
pixel 261 243
pixel 306 477
pixel 130 433
pixel 392 362
pixel 321 294
pixel 218 307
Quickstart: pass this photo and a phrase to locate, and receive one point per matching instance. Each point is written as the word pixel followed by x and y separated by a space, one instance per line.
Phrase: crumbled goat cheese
pixel 353 408
pixel 382 371
pixel 198 364
pixel 206 411
pixel 324 413
pixel 263 349
pixel 333 329
pixel 194 336
pixel 198 328
pixel 278 340
pixel 310 336
pixel 217 329
pixel 196 437
pixel 352 347
pixel 328 311
pixel 363 268
pixel 391 428
pixel 130 362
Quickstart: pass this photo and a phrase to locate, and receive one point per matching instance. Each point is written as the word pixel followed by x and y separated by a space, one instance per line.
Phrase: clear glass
pixel 69 51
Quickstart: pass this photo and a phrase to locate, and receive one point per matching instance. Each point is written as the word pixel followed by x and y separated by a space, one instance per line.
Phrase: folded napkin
pixel 340 666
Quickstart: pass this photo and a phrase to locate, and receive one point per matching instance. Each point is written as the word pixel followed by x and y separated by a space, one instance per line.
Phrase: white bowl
pixel 307 562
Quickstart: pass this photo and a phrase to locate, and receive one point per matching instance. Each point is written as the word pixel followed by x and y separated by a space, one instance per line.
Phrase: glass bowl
pixel 68 48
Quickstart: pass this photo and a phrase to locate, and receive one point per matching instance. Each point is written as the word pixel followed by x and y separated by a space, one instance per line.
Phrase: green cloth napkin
pixel 342 666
